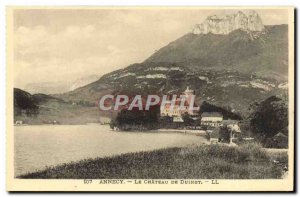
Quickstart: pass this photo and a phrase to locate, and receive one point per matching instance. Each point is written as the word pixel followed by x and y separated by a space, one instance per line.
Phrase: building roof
pixel 280 135
pixel 212 114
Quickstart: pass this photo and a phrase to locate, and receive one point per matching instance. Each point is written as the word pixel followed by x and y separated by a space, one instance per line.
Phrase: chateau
pixel 180 106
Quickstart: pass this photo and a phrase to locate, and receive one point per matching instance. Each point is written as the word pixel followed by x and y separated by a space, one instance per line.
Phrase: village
pixel 210 123
pixel 185 114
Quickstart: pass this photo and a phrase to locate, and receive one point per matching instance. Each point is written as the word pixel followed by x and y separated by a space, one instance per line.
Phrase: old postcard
pixel 150 99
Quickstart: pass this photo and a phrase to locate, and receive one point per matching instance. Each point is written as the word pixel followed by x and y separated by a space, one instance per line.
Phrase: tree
pixel 188 121
pixel 137 119
pixel 269 117
pixel 224 134
pixel 207 107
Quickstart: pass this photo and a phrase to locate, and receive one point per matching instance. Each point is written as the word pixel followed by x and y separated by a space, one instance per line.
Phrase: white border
pixel 5 3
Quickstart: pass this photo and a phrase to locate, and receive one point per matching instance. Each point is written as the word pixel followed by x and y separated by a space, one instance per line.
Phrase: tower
pixel 188 94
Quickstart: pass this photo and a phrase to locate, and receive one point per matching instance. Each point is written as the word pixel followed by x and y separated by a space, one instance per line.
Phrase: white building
pixel 233 127
pixel 213 119
pixel 178 111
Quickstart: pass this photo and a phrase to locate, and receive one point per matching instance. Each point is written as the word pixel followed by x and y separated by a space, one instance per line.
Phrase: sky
pixel 64 45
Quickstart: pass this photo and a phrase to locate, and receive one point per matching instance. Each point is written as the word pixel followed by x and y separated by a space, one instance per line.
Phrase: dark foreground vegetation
pixel 249 161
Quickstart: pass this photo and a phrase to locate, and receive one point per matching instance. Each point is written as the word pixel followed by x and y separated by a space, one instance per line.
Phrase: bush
pixel 269 117
pixel 277 142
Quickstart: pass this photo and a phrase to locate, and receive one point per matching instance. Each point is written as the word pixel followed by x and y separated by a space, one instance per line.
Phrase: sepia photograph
pixel 150 98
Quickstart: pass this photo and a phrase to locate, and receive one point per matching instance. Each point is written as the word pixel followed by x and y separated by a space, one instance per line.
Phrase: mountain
pixel 263 53
pixel 235 61
pixel 24 103
pixel 31 104
pixel 46 109
pixel 47 87
pixel 59 86
pixel 230 89
pixel 83 81
pixel 226 24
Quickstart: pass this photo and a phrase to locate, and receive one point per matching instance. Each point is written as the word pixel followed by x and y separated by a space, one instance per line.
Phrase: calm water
pixel 39 146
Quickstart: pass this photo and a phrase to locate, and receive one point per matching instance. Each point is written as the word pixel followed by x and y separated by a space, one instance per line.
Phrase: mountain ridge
pixel 230 70
pixel 228 23
pixel 245 51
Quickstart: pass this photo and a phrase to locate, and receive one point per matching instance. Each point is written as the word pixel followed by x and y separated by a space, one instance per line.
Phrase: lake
pixel 48 145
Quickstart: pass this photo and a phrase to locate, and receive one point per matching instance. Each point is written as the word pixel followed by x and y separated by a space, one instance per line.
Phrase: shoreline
pixel 182 131
pixel 190 131
pixel 196 131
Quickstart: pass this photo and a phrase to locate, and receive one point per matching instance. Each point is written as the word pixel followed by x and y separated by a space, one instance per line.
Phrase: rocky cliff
pixel 226 24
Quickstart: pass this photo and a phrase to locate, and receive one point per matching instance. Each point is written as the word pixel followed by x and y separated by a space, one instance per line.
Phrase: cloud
pixel 37 41
pixel 76 50
pixel 67 55
pixel 64 45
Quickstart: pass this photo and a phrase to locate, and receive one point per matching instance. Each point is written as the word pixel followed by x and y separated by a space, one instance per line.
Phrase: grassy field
pixel 198 162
